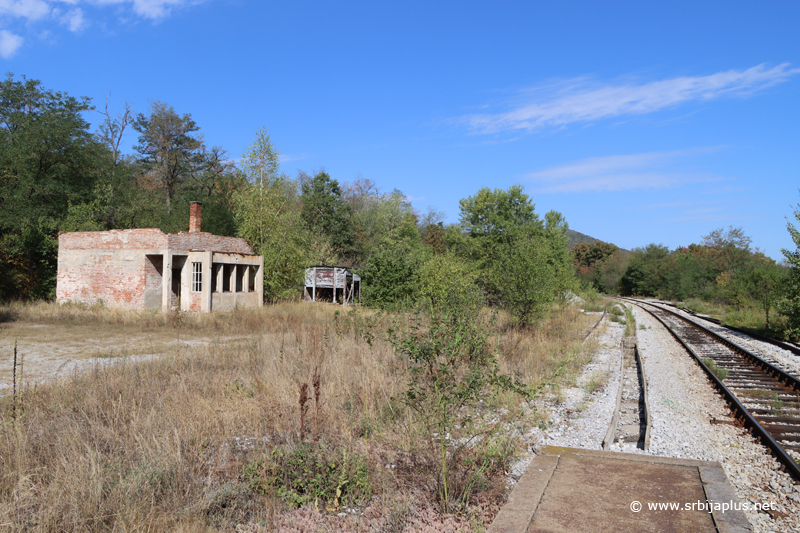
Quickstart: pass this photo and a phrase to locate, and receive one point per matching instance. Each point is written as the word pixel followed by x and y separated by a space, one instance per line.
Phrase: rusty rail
pixel 736 406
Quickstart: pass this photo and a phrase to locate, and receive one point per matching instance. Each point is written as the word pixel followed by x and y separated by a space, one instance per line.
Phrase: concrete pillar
pixel 166 282
pixel 219 268
pixel 205 290
pixel 260 280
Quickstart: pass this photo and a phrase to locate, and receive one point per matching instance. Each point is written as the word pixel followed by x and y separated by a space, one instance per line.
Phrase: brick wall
pixel 208 241
pixel 130 239
pixel 113 266
pixel 117 277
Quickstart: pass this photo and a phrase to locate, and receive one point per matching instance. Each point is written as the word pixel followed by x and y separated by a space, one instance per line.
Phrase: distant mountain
pixel 576 238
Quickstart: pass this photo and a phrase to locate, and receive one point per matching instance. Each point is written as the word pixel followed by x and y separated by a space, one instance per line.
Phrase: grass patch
pixel 630 322
pixel 712 365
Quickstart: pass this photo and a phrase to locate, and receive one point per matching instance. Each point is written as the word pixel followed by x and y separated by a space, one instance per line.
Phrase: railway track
pixel 632 420
pixel 763 397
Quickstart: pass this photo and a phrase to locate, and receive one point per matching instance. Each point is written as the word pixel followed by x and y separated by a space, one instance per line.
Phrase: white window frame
pixel 197 276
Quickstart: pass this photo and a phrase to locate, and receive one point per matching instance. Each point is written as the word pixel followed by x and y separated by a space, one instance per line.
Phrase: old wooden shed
pixel 332 284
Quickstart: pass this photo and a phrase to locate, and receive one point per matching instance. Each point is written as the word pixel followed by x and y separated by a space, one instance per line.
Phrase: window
pixel 197 277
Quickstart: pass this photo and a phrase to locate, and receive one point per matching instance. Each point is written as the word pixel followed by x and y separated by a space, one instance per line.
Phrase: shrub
pixel 443 274
pixel 452 367
pixel 310 474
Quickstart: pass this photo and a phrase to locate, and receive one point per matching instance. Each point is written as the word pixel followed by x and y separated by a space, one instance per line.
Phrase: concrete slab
pixel 567 490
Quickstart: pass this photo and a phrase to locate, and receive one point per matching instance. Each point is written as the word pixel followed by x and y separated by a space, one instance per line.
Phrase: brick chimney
pixel 195 209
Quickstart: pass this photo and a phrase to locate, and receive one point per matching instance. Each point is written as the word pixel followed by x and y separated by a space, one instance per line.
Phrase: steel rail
pixel 763 436
pixel 788 346
pixel 788 379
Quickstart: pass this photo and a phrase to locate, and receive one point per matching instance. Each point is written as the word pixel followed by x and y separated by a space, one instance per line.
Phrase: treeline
pixel 722 268
pixel 58 175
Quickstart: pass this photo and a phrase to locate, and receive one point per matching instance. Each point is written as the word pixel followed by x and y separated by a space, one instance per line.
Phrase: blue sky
pixel 640 122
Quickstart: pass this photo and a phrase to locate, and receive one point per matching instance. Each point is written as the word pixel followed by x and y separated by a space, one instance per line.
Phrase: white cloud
pixel 74 20
pixel 74 16
pixel 9 43
pixel 151 9
pixel 27 9
pixel 286 158
pixel 620 172
pixel 582 100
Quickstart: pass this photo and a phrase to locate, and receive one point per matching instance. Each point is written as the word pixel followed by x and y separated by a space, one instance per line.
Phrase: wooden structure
pixel 332 284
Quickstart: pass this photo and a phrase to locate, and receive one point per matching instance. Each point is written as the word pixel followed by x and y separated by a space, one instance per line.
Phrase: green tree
pixel 171 151
pixel 556 239
pixel 789 304
pixel 386 221
pixel 487 218
pixel 269 215
pixel 48 160
pixel 391 276
pixel 492 212
pixel 645 275
pixel 443 274
pixel 325 212
pixel 522 277
pixel 764 283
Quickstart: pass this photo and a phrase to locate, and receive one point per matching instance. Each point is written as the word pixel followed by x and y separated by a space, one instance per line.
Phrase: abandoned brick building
pixel 149 269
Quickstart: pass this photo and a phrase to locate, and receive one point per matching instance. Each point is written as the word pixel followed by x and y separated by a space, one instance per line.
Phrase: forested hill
pixel 576 238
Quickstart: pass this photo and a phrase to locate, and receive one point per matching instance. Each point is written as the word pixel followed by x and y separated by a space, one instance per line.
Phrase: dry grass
pixel 162 444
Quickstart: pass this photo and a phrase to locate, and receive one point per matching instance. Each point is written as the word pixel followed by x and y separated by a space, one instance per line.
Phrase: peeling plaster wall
pixel 127 268
pixel 108 265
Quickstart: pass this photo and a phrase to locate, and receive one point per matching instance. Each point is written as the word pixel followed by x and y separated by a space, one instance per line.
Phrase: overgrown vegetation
pixel 293 405
pixel 722 276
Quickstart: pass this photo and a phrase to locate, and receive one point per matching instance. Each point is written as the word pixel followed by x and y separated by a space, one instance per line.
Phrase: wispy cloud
pixel 621 172
pixel 287 158
pixel 583 99
pixel 19 16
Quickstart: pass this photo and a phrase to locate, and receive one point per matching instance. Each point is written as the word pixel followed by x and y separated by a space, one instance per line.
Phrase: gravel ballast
pixel 690 420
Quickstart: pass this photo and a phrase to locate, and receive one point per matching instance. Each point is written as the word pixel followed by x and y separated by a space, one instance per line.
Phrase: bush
pixel 391 277
pixel 452 368
pixel 311 474
pixel 444 274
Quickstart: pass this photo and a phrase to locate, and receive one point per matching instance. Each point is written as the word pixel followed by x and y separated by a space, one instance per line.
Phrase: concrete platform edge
pixel 517 514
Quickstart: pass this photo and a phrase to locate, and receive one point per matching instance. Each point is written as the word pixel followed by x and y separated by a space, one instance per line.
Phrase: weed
pixel 712 365
pixel 452 366
pixel 310 474
pixel 776 404
pixel 758 392
pixel 596 382
pixel 630 323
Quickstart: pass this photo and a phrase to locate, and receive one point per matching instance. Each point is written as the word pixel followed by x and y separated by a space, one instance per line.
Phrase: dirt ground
pixel 50 351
